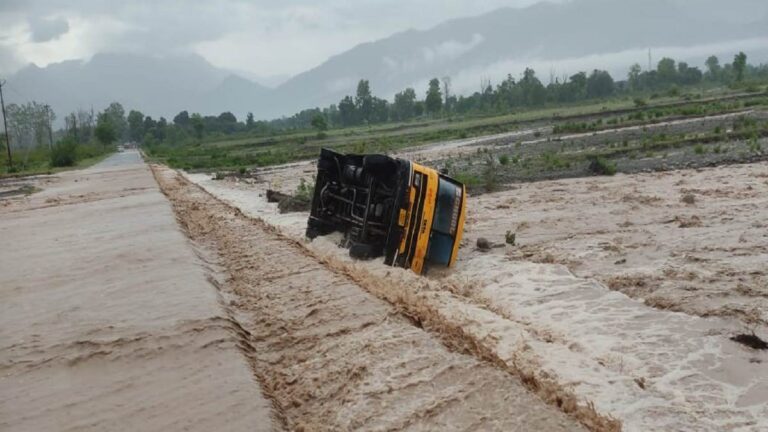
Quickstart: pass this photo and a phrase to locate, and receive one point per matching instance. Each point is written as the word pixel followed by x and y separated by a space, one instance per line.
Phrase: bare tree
pixel 447 92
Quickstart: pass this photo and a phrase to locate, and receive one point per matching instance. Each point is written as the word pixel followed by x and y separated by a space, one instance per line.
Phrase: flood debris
pixel 288 203
pixel 510 238
pixel 688 198
pixel 484 245
pixel 750 340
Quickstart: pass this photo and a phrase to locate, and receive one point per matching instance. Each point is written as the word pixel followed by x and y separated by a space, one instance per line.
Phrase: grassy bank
pixel 38 161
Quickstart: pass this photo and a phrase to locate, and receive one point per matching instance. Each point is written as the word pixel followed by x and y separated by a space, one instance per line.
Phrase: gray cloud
pixel 44 30
pixel 263 37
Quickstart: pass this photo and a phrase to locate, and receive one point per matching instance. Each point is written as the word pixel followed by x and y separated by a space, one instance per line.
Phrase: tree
pixel 713 67
pixel 227 122
pixel 577 86
pixel 599 84
pixel 182 119
pixel 434 100
pixel 319 123
pixel 347 111
pixel 197 124
pixel 47 118
pixel 85 125
pixel 533 92
pixel 688 75
pixel 666 70
pixel 249 122
pixel 136 125
pixel 116 115
pixel 447 92
pixel 739 64
pixel 227 117
pixel 379 110
pixel 30 126
pixel 105 131
pixel 149 124
pixel 364 101
pixel 160 129
pixel 404 106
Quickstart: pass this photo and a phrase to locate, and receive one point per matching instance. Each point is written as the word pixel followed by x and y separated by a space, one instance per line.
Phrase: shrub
pixel 490 177
pixel 602 166
pixel 504 159
pixel 305 191
pixel 467 178
pixel 64 153
pixel 699 149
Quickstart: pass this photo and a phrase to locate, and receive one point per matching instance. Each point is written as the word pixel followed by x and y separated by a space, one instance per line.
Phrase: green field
pixel 236 151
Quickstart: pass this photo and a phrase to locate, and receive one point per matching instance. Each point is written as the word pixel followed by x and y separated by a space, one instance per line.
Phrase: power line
pixel 5 124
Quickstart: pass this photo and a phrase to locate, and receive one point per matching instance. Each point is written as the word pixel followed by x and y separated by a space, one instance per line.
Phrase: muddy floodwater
pixel 334 356
pixel 623 293
pixel 138 299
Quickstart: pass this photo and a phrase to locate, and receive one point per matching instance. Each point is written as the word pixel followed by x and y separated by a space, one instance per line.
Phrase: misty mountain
pixel 155 86
pixel 555 39
pixel 507 40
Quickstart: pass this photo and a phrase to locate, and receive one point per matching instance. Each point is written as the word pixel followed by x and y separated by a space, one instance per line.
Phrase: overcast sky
pixel 265 38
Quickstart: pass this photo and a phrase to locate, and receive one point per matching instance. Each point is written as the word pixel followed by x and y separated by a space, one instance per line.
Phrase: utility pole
pixel 5 124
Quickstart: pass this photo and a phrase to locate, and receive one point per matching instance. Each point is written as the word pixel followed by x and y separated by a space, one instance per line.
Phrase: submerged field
pixel 638 294
pixel 620 292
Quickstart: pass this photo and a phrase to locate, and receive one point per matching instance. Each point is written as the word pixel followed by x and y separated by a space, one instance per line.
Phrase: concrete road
pixel 127 157
pixel 108 320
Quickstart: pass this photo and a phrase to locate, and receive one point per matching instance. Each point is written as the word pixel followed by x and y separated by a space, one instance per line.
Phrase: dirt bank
pixel 107 320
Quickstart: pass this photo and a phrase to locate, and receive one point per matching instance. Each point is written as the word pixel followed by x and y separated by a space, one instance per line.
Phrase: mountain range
pixel 555 38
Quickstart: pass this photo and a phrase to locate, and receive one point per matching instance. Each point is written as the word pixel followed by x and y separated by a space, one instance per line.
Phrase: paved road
pixel 127 157
pixel 107 318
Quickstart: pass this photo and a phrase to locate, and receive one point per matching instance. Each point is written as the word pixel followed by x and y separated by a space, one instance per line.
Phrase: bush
pixel 602 166
pixel 490 176
pixel 64 153
pixel 504 159
pixel 699 149
pixel 467 178
pixel 305 191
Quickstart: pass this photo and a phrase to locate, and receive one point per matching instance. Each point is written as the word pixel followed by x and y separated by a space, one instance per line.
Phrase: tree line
pixel 87 133
pixel 363 108
pixel 526 92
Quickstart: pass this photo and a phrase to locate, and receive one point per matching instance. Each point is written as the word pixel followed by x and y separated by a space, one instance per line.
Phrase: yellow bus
pixel 410 214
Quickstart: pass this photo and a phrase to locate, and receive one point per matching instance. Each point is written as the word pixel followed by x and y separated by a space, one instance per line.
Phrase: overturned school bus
pixel 410 214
